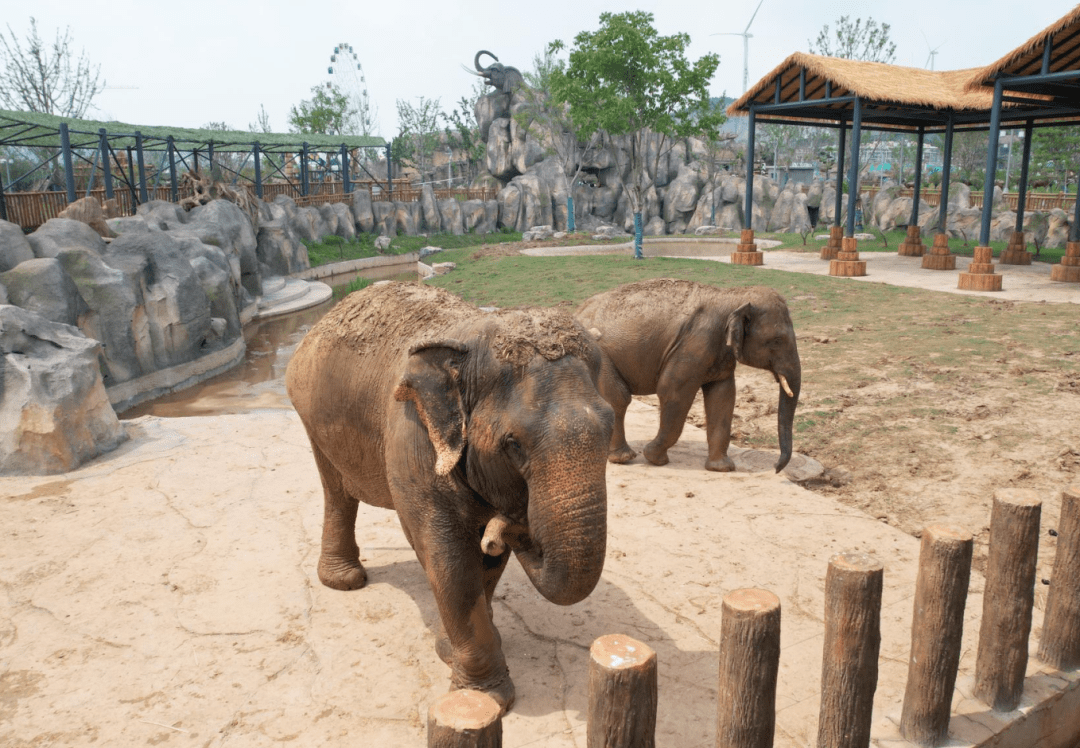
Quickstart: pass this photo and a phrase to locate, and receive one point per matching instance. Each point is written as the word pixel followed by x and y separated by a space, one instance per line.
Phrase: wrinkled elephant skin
pixel 484 432
pixel 672 337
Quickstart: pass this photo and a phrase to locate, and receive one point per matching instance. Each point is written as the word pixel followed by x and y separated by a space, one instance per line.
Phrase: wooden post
pixel 464 719
pixel 1060 643
pixel 849 662
pixel 1008 599
pixel 749 660
pixel 936 631
pixel 622 693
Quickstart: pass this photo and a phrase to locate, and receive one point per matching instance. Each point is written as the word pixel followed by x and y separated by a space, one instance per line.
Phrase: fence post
pixel 1008 598
pixel 304 170
pixel 210 157
pixel 389 175
pixel 849 662
pixel 937 628
pixel 143 197
pixel 173 193
pixel 69 171
pixel 3 201
pixel 257 151
pixel 131 179
pixel 106 171
pixel 346 164
pixel 749 661
pixel 1060 643
pixel 464 719
pixel 622 693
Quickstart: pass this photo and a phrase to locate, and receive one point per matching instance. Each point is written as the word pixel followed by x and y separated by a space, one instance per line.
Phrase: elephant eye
pixel 514 449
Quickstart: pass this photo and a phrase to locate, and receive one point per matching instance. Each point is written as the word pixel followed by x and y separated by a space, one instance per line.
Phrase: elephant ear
pixel 430 382
pixel 738 324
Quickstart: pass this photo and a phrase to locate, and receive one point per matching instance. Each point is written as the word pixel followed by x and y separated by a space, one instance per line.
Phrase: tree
pixel 326 113
pixel 463 136
pixel 858 40
pixel 262 122
pixel 1053 154
pixel 627 80
pixel 46 78
pixel 418 134
pixel 550 123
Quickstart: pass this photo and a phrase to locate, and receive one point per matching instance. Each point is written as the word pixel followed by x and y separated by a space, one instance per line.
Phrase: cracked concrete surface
pixel 166 594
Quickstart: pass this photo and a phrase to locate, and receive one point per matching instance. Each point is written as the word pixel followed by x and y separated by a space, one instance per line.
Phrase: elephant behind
pixel 671 337
pixel 484 432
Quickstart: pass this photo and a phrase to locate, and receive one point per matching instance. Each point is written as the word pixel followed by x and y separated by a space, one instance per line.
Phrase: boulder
pixel 41 286
pixel 510 206
pixel 489 108
pixel 681 197
pixel 88 210
pixel 780 217
pixel 280 250
pixel 125 224
pixel 346 222
pixel 382 243
pixel 429 209
pixel 221 223
pixel 361 207
pixel 14 248
pixel 162 214
pixel 655 227
pixel 498 159
pixel 1057 229
pixel 54 411
pixel 382 212
pixel 58 234
pixel 959 196
pixel 329 220
pixel 450 216
pixel 491 218
pixel 407 218
pixel 473 214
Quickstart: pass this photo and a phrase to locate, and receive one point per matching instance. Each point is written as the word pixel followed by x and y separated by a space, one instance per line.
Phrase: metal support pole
pixel 389 174
pixel 106 172
pixel 174 194
pixel 304 179
pixel 257 151
pixel 69 170
pixel 853 170
pixel 946 167
pixel 195 160
pixel 143 197
pixel 210 157
pixel 1074 230
pixel 991 166
pixel 840 175
pixel 93 173
pixel 131 178
pixel 1021 203
pixel 748 211
pixel 3 202
pixel 918 176
pixel 345 164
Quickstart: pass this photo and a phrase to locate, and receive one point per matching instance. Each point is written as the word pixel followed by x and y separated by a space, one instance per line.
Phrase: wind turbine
pixel 932 57
pixel 745 34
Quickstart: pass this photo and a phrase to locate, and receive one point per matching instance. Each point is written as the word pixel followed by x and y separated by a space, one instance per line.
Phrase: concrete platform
pixel 287 295
pixel 167 593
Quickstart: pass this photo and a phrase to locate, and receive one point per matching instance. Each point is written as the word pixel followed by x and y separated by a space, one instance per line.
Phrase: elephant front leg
pixel 494 566
pixel 339 562
pixel 618 397
pixel 676 394
pixel 719 411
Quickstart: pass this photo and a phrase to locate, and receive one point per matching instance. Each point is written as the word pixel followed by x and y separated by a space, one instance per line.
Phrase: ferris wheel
pixel 347 75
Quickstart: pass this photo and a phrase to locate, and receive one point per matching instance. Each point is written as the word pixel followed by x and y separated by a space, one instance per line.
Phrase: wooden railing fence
pixel 1042 201
pixel 622 674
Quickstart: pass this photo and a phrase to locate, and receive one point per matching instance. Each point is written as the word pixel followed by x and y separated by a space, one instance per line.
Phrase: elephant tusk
pixel 492 544
pixel 784 384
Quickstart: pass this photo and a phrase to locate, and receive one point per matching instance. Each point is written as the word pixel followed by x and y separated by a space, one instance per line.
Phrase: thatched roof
pixel 1027 58
pixel 877 84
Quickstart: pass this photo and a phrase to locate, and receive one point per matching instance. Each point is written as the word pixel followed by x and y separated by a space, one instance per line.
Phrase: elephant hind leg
pixel 675 390
pixel 719 410
pixel 617 394
pixel 339 562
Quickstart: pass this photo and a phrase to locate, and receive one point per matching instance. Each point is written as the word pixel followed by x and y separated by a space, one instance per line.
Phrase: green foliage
pixel 463 136
pixel 855 40
pixel 415 144
pixel 1054 155
pixel 326 113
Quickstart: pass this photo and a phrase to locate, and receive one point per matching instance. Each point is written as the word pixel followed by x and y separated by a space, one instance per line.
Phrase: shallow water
pixel 259 381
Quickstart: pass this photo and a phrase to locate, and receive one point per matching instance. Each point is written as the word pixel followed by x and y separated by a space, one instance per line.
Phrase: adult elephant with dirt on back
pixel 484 432
pixel 672 337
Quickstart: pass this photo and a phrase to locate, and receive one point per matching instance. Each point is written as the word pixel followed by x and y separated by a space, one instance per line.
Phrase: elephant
pixel 503 77
pixel 671 337
pixel 485 432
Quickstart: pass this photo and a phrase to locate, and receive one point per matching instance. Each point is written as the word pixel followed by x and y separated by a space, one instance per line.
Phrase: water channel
pixel 259 381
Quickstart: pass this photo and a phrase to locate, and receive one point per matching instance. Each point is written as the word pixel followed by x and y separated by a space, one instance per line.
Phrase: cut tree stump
pixel 1060 643
pixel 464 719
pixel 1008 599
pixel 849 661
pixel 749 660
pixel 936 631
pixel 622 693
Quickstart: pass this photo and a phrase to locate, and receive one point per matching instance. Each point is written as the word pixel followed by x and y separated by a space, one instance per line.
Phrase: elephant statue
pixel 485 432
pixel 503 77
pixel 671 337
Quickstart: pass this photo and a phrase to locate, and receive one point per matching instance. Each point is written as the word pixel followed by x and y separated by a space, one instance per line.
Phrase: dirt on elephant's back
pixel 550 332
pixel 639 300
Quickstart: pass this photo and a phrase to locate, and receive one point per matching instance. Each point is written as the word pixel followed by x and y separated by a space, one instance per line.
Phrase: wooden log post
pixel 849 662
pixel 622 693
pixel 1060 642
pixel 937 628
pixel 1008 599
pixel 749 661
pixel 464 719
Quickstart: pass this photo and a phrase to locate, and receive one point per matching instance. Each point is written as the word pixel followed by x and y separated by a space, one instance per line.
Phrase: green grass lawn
pixel 336 249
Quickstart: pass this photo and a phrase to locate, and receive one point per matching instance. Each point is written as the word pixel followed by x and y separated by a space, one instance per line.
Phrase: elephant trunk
pixel 476 60
pixel 785 413
pixel 567 538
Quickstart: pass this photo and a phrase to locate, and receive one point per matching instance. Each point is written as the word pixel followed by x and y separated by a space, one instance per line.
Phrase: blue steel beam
pixel 853 173
pixel 991 166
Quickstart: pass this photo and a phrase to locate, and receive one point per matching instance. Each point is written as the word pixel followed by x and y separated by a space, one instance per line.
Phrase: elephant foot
pixel 622 455
pixel 501 689
pixel 341 574
pixel 723 465
pixel 445 649
pixel 654 455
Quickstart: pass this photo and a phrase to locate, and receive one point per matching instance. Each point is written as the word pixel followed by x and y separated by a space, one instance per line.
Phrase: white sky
pixel 192 63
